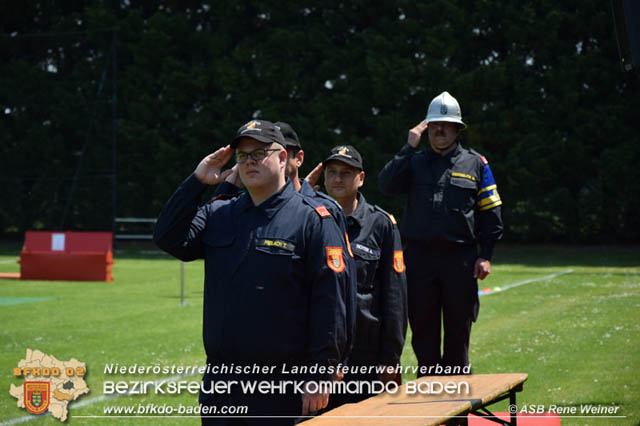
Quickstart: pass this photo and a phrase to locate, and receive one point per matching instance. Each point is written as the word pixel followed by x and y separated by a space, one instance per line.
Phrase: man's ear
pixel 300 158
pixel 282 156
pixel 361 179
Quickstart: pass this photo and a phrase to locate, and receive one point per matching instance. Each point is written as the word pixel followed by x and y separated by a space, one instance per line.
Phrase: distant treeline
pixel 130 95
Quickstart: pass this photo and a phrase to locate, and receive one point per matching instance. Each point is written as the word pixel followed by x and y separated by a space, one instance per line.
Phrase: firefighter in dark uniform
pixel 452 211
pixel 274 275
pixel 381 322
pixel 232 186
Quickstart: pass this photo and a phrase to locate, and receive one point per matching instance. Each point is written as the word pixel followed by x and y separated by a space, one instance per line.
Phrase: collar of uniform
pixel 432 155
pixel 274 203
pixel 271 205
pixel 243 202
pixel 454 152
pixel 306 188
pixel 358 215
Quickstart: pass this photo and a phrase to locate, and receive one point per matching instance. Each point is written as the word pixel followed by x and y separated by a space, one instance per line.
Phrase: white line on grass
pixel 519 283
pixel 90 401
pixel 103 397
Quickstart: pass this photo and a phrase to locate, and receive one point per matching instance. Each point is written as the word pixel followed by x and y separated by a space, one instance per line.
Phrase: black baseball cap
pixel 290 136
pixel 347 154
pixel 260 130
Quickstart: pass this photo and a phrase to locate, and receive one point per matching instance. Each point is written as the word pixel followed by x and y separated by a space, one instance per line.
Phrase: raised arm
pixel 181 222
pixel 395 177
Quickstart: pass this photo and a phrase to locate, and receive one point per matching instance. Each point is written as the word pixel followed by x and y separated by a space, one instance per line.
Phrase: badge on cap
pixel 343 150
pixel 398 261
pixel 334 259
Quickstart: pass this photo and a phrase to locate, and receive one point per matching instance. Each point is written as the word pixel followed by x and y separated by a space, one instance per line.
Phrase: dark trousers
pixel 441 285
pixel 263 409
pixel 338 399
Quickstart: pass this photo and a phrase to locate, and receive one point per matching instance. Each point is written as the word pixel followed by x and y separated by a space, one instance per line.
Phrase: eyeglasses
pixel 256 155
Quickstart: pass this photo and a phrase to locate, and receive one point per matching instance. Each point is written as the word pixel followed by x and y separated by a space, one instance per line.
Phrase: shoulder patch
pixel 328 199
pixel 324 205
pixel 482 157
pixel 322 211
pixel 334 259
pixel 387 214
pixel 398 261
pixel 488 196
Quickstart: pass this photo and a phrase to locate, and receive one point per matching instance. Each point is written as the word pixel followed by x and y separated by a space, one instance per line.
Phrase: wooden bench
pixel 403 409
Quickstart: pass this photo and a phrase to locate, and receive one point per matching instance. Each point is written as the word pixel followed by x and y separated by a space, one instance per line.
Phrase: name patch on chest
pixel 366 249
pixel 464 176
pixel 273 243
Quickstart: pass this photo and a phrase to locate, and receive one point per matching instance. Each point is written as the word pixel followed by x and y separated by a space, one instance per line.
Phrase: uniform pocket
pixel 272 287
pixel 218 245
pixel 461 193
pixel 277 257
pixel 367 259
pixel 219 232
pixel 217 239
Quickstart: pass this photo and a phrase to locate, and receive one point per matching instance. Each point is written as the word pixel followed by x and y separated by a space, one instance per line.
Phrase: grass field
pixel 576 334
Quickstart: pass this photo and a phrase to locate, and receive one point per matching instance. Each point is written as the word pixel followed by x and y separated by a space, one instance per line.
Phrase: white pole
pixel 182 302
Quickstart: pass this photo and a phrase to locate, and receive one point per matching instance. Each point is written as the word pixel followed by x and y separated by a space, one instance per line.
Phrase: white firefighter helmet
pixel 445 107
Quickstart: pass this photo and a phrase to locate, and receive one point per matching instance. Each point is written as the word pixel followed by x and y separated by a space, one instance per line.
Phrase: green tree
pixel 539 84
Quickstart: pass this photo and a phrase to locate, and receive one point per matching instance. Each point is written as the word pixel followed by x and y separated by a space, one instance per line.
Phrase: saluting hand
pixel 234 177
pixel 313 177
pixel 416 133
pixel 209 170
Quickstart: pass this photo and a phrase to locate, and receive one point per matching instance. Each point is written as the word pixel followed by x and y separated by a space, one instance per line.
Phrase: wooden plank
pixel 422 409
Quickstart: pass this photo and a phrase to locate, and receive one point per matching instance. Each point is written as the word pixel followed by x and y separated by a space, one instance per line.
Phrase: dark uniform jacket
pixel 274 274
pixel 453 199
pixel 226 190
pixel 381 325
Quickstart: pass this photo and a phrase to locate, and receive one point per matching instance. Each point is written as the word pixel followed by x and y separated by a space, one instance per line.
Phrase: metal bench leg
pixel 514 413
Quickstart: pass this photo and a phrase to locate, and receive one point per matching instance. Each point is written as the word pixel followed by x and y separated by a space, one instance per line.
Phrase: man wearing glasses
pixel 274 275
pixel 231 187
